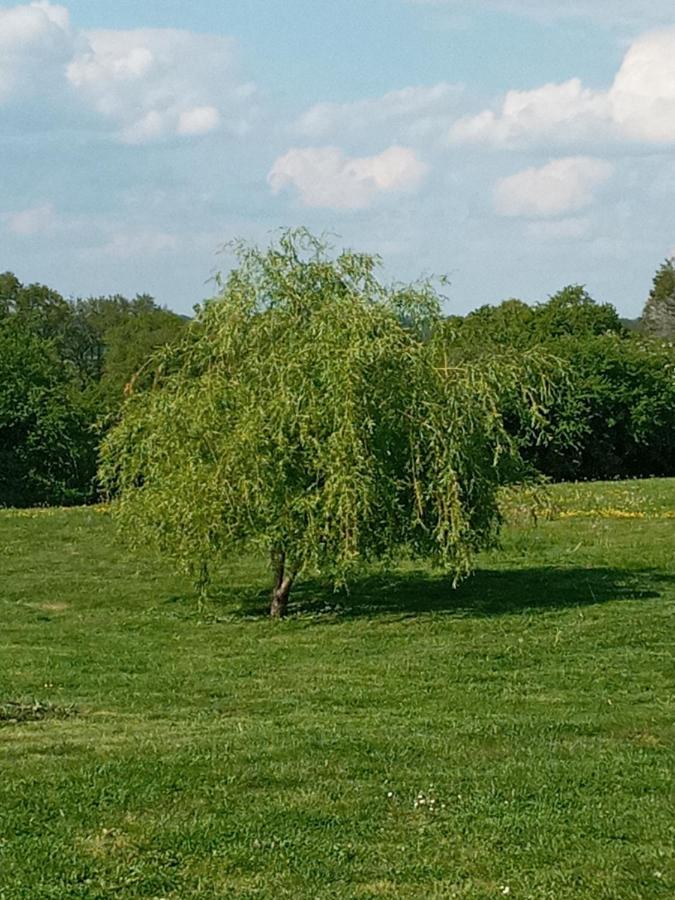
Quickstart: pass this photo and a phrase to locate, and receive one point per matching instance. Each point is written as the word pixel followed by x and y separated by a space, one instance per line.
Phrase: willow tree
pixel 315 414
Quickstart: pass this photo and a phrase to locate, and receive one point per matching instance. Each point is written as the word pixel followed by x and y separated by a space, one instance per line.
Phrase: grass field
pixel 511 738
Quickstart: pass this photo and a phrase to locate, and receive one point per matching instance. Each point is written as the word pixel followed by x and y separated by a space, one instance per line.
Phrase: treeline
pixel 64 366
pixel 612 414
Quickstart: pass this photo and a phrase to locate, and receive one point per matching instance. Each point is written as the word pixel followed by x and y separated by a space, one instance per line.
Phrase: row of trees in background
pixel 613 415
pixel 63 368
pixel 64 365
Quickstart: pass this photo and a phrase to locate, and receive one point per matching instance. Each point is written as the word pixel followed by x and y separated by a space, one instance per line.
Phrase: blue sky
pixel 515 145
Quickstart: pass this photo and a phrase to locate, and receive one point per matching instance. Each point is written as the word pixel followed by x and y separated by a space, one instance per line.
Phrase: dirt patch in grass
pixel 16 712
pixel 54 606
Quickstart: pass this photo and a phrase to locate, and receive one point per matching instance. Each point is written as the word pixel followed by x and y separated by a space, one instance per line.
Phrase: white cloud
pixel 144 84
pixel 36 42
pixel 198 120
pixel 412 112
pixel 559 187
pixel 40 22
pixel 325 177
pixel 158 82
pixel 568 110
pixel 32 221
pixel 642 97
pixel 640 105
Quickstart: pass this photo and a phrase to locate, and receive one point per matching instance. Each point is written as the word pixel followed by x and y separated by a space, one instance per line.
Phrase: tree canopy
pixel 614 413
pixel 658 316
pixel 315 413
pixel 63 368
pixel 47 449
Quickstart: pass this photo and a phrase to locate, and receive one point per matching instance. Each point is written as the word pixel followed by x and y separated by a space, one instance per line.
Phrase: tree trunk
pixel 283 582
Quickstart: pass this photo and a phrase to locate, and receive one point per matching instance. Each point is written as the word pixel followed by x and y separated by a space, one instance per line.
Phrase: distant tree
pixel 573 312
pixel 658 316
pixel 315 414
pixel 47 448
pixel 9 290
pixel 129 345
pixel 39 309
pixel 510 324
pixel 613 415
pixel 114 336
pixel 78 357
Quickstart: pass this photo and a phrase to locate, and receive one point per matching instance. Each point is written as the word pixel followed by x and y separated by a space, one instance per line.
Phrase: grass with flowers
pixel 513 737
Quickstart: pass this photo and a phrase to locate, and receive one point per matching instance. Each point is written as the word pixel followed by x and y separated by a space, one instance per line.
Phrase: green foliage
pixel 615 417
pixel 571 312
pixel 658 316
pixel 38 309
pixel 314 412
pixel 511 324
pixel 47 449
pixel 614 413
pixel 129 344
pixel 79 355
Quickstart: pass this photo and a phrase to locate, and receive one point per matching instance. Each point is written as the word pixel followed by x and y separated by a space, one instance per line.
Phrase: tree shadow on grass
pixel 489 592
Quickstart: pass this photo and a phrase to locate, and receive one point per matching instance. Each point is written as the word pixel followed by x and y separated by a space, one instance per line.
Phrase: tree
pixel 572 312
pixel 112 337
pixel 658 316
pixel 314 414
pixel 47 449
pixel 510 324
pixel 63 369
pixel 130 343
pixel 38 308
pixel 613 414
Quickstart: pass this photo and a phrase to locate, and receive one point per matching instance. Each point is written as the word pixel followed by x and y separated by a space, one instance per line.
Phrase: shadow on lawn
pixel 486 593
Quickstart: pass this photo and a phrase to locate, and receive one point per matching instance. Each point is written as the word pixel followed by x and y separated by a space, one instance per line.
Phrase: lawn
pixel 513 737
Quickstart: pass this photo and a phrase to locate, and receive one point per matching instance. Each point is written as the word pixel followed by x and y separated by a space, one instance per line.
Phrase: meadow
pixel 512 737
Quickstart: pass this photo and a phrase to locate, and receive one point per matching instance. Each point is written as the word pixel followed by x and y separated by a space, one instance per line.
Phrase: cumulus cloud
pixel 412 111
pixel 158 82
pixel 642 97
pixel 144 84
pixel 325 177
pixel 561 186
pixel 31 221
pixel 567 110
pixel 36 42
pixel 639 105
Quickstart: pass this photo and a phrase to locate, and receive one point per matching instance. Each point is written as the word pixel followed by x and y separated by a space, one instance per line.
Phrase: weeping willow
pixel 319 416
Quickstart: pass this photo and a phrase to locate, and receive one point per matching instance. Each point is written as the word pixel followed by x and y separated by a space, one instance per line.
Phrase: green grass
pixel 149 749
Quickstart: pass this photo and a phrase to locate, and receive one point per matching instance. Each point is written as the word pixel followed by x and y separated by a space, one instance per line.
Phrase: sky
pixel 515 146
